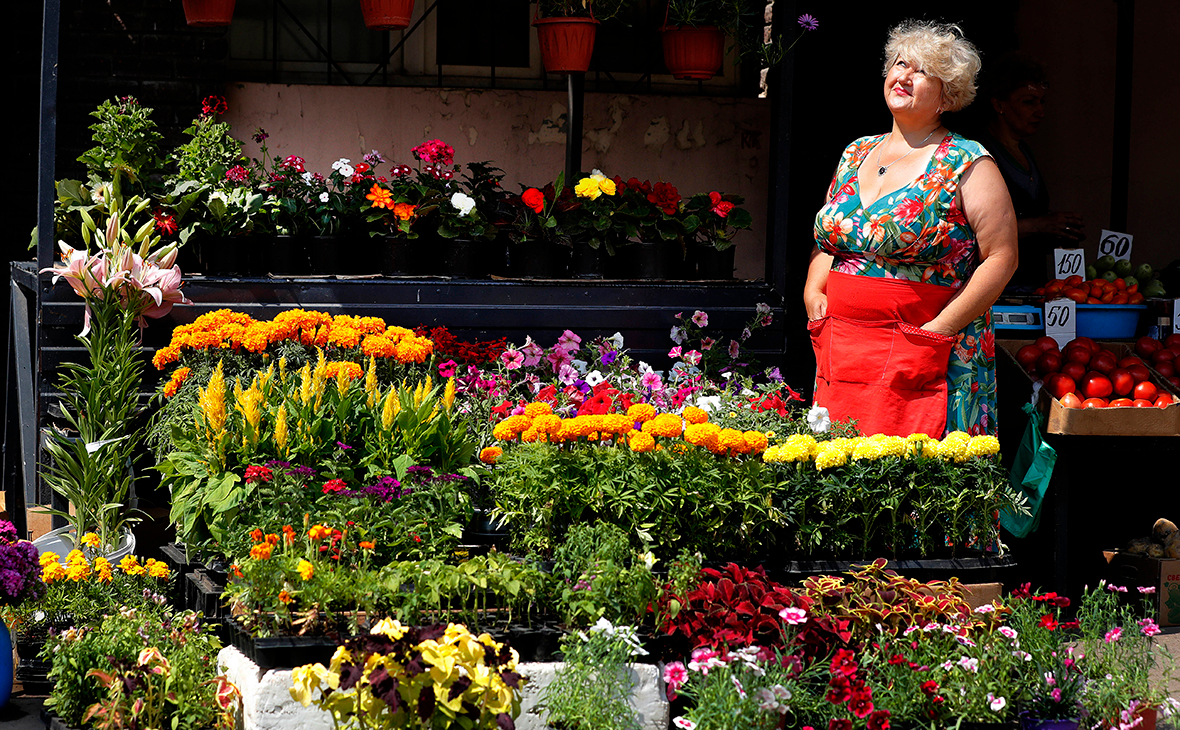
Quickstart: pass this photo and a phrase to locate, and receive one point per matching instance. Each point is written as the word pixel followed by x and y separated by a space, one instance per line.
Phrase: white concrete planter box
pixel 267 703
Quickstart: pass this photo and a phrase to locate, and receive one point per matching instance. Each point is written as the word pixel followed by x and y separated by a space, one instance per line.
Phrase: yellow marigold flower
pixel 932 448
pixel 318 532
pixel 285 597
pixel 893 446
pixel 731 440
pixel 641 442
pixel 48 557
pixel 306 569
pixel 692 414
pixel 75 556
pixel 805 441
pixel 983 446
pixel 52 572
pixel 540 408
pixel 773 455
pixel 130 565
pixel 491 454
pixel 90 539
pixel 642 412
pixel 703 435
pixel 756 442
pixel 262 551
pixel 102 568
pixel 917 438
pixel 77 571
pixel 828 458
pixel 954 446
pixel 157 569
pixel 867 450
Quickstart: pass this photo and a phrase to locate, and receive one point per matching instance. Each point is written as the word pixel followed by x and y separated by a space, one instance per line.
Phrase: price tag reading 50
pixel 1115 244
pixel 1069 262
pixel 1061 320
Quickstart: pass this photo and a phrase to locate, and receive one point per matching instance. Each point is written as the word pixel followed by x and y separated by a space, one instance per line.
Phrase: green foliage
pixel 189 647
pixel 592 689
pixel 602 9
pixel 125 142
pixel 599 576
pixel 208 154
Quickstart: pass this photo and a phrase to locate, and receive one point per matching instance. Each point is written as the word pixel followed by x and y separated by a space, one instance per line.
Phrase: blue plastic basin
pixel 1109 321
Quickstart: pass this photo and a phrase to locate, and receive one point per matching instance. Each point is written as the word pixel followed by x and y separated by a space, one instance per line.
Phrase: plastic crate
pixel 1109 321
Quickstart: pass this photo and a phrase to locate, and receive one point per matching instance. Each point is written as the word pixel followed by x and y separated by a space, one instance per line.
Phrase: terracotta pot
pixel 208 13
pixel 693 53
pixel 567 44
pixel 387 14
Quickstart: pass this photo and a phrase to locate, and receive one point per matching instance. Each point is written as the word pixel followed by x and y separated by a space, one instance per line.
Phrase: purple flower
pixel 301 471
pixel 278 465
pixel 774 375
pixel 260 135
pixel 447 369
pixel 583 386
pixel 342 446
pixel 373 158
pixel 734 348
pixel 609 357
pixel 807 22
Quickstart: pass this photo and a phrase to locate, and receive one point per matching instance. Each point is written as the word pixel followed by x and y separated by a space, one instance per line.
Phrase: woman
pixel 1016 91
pixel 916 241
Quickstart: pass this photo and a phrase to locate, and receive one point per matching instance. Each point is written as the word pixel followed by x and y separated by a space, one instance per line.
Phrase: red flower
pixel 534 199
pixel 897 659
pixel 548 393
pixel 861 703
pixel 164 222
pixel 361 167
pixel 598 404
pixel 335 485
pixel 237 173
pixel 416 538
pixel 844 663
pixel 929 687
pixel 1048 622
pixel 907 210
pixel 665 197
pixel 256 474
pixel 213 105
pixel 879 720
pixel 839 689
pixel 839 723
pixel 720 207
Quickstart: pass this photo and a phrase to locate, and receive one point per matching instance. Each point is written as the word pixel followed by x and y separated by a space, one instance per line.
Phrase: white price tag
pixel 1175 316
pixel 1061 320
pixel 1069 261
pixel 1115 244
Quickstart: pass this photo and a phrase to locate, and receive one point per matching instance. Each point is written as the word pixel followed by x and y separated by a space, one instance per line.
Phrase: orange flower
pixel 237 571
pixel 491 454
pixel 177 380
pixel 404 211
pixel 285 597
pixel 692 414
pixel 318 532
pixel 262 551
pixel 381 197
pixel 256 535
pixel 365 545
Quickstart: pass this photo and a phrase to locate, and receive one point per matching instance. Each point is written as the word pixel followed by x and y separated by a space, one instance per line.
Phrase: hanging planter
pixel 387 14
pixel 567 44
pixel 693 52
pixel 208 13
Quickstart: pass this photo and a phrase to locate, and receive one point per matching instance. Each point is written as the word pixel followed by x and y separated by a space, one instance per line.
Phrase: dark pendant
pixel 882 170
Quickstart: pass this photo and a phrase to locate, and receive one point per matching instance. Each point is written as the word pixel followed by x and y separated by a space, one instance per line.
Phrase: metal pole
pixel 575 86
pixel 778 83
pixel 1120 178
pixel 47 148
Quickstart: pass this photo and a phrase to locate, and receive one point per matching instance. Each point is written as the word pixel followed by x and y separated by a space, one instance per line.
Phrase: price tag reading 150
pixel 1061 320
pixel 1115 244
pixel 1069 262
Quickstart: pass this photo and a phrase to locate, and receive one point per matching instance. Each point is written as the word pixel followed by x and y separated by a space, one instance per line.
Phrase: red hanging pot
pixel 387 14
pixel 567 44
pixel 208 13
pixel 693 52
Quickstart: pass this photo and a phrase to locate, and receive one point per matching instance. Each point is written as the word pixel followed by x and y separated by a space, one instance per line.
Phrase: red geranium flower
pixel 213 105
pixel 534 199
pixel 256 474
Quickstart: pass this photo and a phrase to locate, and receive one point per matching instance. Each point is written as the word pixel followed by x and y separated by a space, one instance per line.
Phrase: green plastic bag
pixel 1031 471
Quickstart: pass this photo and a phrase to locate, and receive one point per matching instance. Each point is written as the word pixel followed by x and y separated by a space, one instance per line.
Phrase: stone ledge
pixel 267 703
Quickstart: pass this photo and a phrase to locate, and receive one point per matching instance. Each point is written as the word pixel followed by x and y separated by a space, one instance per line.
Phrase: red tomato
pixel 1139 373
pixel 1073 280
pixel 1059 385
pixel 1085 341
pixel 1174 380
pixel 1146 390
pixel 1122 381
pixel 1140 403
pixel 1146 346
pixel 1074 370
pixel 1166 368
pixel 1122 403
pixel 1164 400
pixel 1071 400
pixel 1027 357
pixel 1172 340
pixel 1096 385
pixel 1164 355
pixel 1046 343
pixel 1094 403
pixel 1130 360
pixel 1103 361
pixel 1048 362
pixel 1077 353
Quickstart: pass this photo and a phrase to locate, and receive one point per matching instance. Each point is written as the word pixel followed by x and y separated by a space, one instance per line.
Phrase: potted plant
pixel 593 686
pixel 591 225
pixel 387 14
pixel 21 582
pixel 208 13
pixel 567 29
pixel 124 282
pixel 649 224
pixel 693 36
pixel 540 235
pixel 711 220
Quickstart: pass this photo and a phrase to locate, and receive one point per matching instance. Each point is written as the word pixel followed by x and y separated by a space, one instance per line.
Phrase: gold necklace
pixel 882 169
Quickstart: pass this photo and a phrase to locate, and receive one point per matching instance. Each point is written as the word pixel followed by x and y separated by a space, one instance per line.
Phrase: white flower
pixel 616 340
pixel 594 377
pixel 985 608
pixel 342 163
pixel 684 723
pixel 948 665
pixel 970 663
pixel 597 174
pixel 1008 631
pixel 677 335
pixel 996 703
pixel 463 202
pixel 644 368
pixel 38 616
pixel 709 403
pixel 307 177
pixel 579 365
pixel 818 419
pixel 649 558
pixel 323 197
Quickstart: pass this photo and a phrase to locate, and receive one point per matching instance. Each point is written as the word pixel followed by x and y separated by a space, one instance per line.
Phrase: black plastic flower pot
pixel 463 258
pixel 396 255
pixel 658 260
pixel 539 260
pixel 325 255
pixel 587 262
pixel 706 262
pixel 287 256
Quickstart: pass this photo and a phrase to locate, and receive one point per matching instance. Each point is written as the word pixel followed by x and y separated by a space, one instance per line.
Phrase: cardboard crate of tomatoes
pixel 1103 389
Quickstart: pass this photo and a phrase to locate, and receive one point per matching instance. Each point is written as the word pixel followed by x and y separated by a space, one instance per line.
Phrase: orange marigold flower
pixel 530 435
pixel 365 545
pixel 540 408
pixel 178 378
pixel 262 551
pixel 756 441
pixel 377 346
pixel 318 532
pixel 491 454
pixel 641 442
pixel 546 423
pixel 732 440
pixel 351 370
pixel 692 414
pixel 165 356
pixel 272 539
pixel 257 535
pixel 381 197
pixel 344 337
pixel 285 597
pixel 702 434
pixel 641 412
pixel 667 425
pixel 236 570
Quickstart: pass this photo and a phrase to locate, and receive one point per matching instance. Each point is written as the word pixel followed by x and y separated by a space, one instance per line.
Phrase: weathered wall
pixel 698 144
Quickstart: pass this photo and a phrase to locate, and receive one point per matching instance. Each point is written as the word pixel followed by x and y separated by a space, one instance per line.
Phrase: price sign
pixel 1175 315
pixel 1069 261
pixel 1115 244
pixel 1061 320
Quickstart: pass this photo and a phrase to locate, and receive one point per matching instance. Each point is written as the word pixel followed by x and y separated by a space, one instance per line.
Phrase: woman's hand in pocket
pixel 816 303
pixel 938 328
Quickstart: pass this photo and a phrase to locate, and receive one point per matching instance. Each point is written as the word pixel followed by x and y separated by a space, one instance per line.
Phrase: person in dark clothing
pixel 1016 93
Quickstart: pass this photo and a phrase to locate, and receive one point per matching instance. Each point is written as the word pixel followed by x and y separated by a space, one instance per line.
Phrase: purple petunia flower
pixel 609 357
pixel 807 22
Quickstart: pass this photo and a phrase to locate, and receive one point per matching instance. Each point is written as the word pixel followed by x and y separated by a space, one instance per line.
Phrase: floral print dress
pixel 918 233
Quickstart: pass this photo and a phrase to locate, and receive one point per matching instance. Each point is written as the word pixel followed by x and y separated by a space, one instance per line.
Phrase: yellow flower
pixel 157 569
pixel 641 412
pixel 605 184
pixel 77 571
pixel 52 572
pixel 91 540
pixel 130 565
pixel 692 414
pixel 756 442
pixel 318 532
pixel 281 427
pixel 389 627
pixel 642 442
pixel 983 446
pixel 212 401
pixel 539 408
pixel 262 551
pixel 48 557
pixel 587 187
pixel 306 569
pixel 867 450
pixel 954 446
pixel 702 434
pixel 448 398
pixel 390 408
pixel 830 457
pixel 102 568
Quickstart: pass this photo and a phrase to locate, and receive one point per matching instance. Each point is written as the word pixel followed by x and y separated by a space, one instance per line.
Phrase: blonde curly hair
pixel 940 50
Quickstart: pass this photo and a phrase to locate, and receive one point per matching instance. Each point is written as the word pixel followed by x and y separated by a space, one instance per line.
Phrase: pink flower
pixel 1146 590
pixel 674 353
pixel 532 352
pixel 569 341
pixel 566 374
pixel 675 675
pixel 435 152
pixel 684 723
pixel 734 349
pixel 512 359
pixel 700 319
pixel 1149 627
pixel 793 616
pixel 1116 589
pixel 707 343
pixel 651 381
pixel 294 162
pixel 557 357
pixel 1113 635
pixel 237 173
pixel 1056 694
pixel 692 357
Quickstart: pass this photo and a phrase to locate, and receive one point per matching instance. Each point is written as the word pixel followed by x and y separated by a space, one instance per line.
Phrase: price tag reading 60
pixel 1115 244
pixel 1061 320
pixel 1069 262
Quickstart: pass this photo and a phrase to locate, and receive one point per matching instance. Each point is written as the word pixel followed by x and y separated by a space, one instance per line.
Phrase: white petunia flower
pixel 818 419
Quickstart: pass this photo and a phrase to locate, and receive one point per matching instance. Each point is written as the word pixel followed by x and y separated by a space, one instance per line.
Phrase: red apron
pixel 875 363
